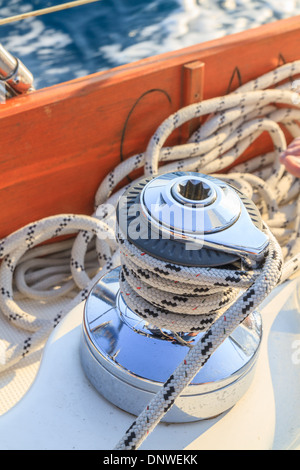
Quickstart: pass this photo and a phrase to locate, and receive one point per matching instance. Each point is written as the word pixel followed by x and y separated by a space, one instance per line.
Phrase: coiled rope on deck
pixel 234 122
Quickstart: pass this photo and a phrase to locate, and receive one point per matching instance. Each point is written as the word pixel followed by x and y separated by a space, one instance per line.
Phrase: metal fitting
pixel 14 73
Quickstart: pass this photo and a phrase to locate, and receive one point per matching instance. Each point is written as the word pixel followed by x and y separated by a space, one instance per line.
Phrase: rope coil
pixel 201 352
pixel 45 11
pixel 234 122
pixel 176 297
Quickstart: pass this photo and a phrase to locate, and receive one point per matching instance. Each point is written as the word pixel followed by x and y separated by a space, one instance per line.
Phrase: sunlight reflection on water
pixel 66 45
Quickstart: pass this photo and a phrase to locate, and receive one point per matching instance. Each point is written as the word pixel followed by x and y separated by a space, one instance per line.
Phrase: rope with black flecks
pixel 174 297
pixel 198 355
pixel 69 269
pixel 139 267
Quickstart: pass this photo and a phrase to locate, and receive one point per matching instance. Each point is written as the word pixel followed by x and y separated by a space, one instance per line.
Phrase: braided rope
pixel 174 297
pixel 234 122
pixel 201 352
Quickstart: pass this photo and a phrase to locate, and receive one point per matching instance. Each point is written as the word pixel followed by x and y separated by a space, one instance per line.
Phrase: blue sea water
pixel 89 38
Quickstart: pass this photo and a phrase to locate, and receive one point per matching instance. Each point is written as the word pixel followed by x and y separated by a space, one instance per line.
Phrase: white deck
pixel 61 410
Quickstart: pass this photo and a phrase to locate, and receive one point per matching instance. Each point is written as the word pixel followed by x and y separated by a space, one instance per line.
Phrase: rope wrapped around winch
pixel 174 297
pixel 234 122
pixel 198 355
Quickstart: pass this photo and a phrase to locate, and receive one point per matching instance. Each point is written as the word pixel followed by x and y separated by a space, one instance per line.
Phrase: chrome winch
pixel 14 76
pixel 188 219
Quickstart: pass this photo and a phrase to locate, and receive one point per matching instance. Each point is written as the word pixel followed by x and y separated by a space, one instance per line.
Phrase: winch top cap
pixel 192 219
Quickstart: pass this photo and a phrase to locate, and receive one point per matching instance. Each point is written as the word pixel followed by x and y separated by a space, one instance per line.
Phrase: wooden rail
pixel 58 143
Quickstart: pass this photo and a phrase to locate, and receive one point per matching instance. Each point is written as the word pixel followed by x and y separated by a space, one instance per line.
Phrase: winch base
pixel 128 360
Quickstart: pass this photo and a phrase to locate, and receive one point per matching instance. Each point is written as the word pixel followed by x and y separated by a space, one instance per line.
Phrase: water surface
pixel 70 44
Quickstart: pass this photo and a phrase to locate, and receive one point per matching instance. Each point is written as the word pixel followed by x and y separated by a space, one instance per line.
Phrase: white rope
pixel 200 353
pixel 46 11
pixel 176 297
pixel 136 266
pixel 234 122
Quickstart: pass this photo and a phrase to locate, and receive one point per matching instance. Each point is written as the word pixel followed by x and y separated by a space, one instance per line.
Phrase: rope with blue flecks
pixel 235 121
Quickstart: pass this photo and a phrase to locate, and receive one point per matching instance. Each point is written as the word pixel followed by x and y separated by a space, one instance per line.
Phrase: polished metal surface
pixel 14 73
pixel 202 210
pixel 128 360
